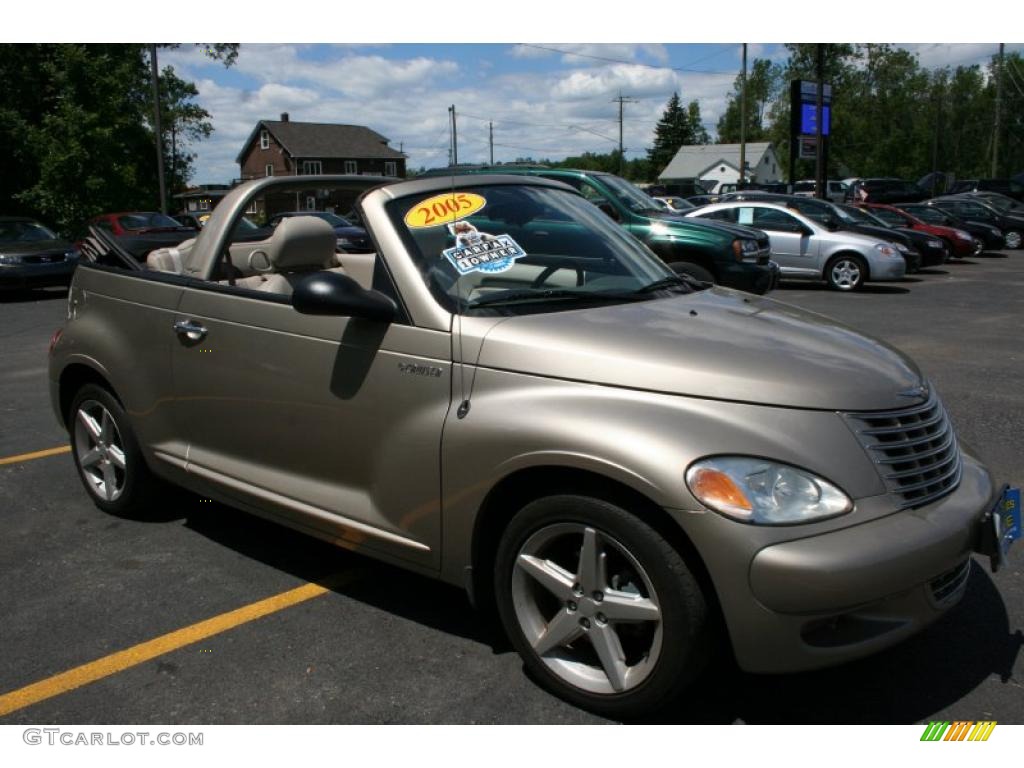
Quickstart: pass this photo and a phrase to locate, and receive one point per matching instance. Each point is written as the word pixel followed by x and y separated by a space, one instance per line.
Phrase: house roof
pixel 324 140
pixel 691 161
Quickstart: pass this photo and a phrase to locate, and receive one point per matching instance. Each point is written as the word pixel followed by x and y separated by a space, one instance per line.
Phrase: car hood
pixel 718 344
pixel 36 247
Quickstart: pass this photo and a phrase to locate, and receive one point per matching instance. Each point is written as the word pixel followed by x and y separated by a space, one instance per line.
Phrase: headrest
pixel 299 242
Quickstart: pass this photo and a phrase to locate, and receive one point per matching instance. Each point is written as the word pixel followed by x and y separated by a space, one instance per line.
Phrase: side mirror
pixel 331 293
pixel 830 222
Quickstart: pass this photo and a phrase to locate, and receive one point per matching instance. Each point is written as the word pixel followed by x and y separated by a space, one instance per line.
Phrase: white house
pixel 720 163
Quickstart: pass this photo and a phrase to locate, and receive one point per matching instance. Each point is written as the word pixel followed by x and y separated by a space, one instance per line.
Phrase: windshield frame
pixel 628 195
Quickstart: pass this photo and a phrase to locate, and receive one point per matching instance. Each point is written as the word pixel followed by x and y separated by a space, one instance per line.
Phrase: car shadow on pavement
pixel 931 271
pixel 869 288
pixel 905 684
pixel 395 590
pixel 22 295
pixel 991 255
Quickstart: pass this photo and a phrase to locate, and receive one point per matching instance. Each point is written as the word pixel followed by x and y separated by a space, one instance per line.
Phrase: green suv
pixel 727 254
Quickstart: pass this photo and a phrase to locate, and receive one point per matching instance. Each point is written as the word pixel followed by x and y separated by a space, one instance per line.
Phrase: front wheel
pixel 846 272
pixel 107 454
pixel 602 609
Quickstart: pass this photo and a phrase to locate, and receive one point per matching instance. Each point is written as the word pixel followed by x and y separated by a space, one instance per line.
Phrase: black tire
pixel 693 270
pixel 138 489
pixel 682 634
pixel 846 272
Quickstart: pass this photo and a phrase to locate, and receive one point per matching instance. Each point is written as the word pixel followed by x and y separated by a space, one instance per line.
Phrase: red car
pixel 143 231
pixel 961 244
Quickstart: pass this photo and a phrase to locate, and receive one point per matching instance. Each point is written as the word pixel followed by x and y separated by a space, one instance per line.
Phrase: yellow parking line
pixel 35 455
pixel 137 654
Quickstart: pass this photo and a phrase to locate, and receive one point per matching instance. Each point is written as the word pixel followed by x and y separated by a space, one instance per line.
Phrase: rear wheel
pixel 602 609
pixel 846 272
pixel 107 455
pixel 693 270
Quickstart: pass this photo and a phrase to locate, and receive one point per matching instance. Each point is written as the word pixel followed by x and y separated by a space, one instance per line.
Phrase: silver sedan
pixel 807 249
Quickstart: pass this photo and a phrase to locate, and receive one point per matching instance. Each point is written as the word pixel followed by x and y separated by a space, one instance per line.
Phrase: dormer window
pixel 264 139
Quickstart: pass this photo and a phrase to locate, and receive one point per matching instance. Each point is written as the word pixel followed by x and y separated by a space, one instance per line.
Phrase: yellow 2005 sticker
pixel 443 209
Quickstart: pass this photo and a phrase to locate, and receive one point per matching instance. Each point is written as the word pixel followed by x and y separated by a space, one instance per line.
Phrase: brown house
pixel 286 148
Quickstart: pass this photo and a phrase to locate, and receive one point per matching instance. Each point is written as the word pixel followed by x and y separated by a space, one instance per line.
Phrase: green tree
pixel 763 84
pixel 675 128
pixel 76 122
pixel 184 123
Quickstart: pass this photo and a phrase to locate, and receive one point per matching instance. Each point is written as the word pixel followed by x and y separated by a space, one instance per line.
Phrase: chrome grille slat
pixel 915 450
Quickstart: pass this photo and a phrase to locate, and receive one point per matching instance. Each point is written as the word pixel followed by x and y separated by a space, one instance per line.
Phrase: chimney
pixel 284 117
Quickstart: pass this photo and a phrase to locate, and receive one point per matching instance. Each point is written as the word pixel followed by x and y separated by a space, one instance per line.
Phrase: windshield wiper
pixel 558 294
pixel 674 281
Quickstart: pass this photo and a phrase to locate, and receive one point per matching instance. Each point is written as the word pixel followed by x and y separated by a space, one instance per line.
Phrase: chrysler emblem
pixel 918 391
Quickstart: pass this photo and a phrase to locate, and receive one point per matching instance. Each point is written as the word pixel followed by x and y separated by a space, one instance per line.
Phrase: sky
pixel 496 62
pixel 548 100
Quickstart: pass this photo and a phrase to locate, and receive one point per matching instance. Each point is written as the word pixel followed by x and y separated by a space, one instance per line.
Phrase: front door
pixel 792 248
pixel 333 423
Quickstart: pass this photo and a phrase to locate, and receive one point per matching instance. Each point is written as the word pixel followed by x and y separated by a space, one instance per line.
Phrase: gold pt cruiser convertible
pixel 512 394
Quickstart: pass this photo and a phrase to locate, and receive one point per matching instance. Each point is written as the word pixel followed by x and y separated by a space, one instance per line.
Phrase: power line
pixel 627 61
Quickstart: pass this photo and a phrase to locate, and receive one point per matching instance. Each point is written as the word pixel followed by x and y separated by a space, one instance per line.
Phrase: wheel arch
pixel 73 377
pixel 849 252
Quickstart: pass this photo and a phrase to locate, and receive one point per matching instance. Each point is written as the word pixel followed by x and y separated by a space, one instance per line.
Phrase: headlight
pixel 72 254
pixel 886 249
pixel 962 235
pixel 901 248
pixel 744 249
pixel 763 492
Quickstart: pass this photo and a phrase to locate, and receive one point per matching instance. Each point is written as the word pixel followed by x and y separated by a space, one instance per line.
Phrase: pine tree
pixel 673 131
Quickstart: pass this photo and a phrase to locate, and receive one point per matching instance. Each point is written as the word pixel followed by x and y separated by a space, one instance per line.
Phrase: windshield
pixel 1004 204
pixel 511 249
pixel 860 216
pixel 147 221
pixel 24 232
pixel 630 196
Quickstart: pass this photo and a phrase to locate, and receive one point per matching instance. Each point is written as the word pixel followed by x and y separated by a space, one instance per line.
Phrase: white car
pixel 809 250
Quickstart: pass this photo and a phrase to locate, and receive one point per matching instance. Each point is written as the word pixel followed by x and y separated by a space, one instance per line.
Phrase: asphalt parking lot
pixel 373 644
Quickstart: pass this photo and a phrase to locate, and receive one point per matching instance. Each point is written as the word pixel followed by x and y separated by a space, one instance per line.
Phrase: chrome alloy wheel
pixel 846 274
pixel 1012 239
pixel 587 607
pixel 100 450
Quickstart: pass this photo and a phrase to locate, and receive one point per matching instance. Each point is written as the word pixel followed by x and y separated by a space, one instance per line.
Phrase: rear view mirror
pixel 331 293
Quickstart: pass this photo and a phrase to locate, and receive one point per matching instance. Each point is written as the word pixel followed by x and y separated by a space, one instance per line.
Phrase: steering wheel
pixel 549 271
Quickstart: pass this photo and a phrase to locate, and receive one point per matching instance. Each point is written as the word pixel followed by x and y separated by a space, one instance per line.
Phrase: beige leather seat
pixel 299 246
pixel 168 259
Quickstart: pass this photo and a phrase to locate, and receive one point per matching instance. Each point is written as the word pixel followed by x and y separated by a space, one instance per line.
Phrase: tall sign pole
pixel 622 151
pixel 155 71
pixel 819 160
pixel 743 121
pixel 999 99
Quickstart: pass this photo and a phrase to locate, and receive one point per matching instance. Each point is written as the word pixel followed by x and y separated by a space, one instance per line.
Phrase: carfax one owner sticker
pixel 474 251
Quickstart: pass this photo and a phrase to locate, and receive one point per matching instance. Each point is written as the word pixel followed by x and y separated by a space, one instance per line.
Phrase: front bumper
pixel 37 275
pixel 838 596
pixel 886 269
pixel 749 277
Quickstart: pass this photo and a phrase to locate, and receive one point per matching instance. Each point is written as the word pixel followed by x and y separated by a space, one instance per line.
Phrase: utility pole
pixel 999 99
pixel 819 149
pixel 155 71
pixel 454 160
pixel 743 121
pixel 935 142
pixel 490 139
pixel 622 150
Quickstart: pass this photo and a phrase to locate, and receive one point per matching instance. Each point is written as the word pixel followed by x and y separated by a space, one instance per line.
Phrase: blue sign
pixel 808 122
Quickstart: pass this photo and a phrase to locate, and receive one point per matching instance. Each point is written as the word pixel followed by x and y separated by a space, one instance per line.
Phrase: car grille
pixel 915 450
pixel 947 587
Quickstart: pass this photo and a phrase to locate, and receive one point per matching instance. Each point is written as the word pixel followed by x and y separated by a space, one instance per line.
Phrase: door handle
pixel 190 329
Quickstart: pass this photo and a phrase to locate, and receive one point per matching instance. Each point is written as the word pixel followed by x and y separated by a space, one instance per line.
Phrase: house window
pixel 264 139
pixel 252 207
pixel 351 167
pixel 192 205
pixel 390 168
pixel 311 168
pixel 311 203
pixel 269 169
